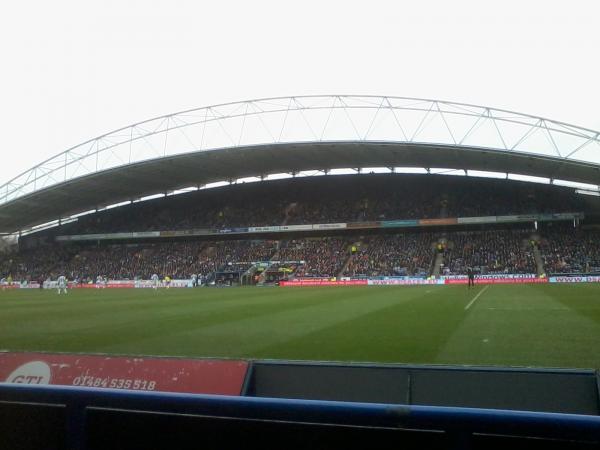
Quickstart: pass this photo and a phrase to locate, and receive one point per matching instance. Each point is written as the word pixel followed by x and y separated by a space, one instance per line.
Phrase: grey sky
pixel 72 70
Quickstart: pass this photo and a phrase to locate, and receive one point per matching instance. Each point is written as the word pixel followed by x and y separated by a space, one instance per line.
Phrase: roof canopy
pixel 292 134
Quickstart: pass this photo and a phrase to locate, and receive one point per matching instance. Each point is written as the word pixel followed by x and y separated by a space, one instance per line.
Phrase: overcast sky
pixel 71 70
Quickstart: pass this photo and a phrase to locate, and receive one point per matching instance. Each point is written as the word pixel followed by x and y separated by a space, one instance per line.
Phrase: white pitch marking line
pixel 476 297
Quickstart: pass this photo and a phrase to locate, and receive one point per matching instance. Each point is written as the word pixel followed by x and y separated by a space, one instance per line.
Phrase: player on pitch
pixel 471 277
pixel 155 281
pixel 62 284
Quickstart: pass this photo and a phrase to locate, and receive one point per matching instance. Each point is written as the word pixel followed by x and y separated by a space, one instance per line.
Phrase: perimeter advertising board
pixel 329 226
pixel 480 220
pixel 403 282
pixel 492 276
pixel 497 280
pixel 432 222
pixel 119 284
pixel 399 223
pixel 295 227
pixel 581 279
pixel 196 376
pixel 173 284
pixel 323 283
pixel 20 285
pixel 363 225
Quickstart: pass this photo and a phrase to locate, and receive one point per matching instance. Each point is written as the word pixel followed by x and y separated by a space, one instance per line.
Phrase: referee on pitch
pixel 471 277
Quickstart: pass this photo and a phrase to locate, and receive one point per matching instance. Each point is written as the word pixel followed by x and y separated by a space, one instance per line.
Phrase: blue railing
pixel 459 422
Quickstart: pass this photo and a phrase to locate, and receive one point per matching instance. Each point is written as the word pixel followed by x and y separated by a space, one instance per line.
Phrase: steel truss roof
pixel 347 130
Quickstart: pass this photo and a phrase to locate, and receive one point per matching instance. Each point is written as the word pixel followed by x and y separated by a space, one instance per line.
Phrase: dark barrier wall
pixel 142 430
pixel 563 391
pixel 546 391
pixel 76 418
pixel 32 426
pixel 330 382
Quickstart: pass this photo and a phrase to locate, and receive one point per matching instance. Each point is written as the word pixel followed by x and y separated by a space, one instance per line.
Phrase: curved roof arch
pixel 285 134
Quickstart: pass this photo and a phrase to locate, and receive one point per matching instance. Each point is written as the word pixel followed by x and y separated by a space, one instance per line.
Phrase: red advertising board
pixel 323 283
pixel 404 282
pixel 496 280
pixel 10 286
pixel 196 376
pixel 363 225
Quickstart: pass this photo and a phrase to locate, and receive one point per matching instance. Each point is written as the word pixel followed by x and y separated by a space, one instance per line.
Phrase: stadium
pixel 328 230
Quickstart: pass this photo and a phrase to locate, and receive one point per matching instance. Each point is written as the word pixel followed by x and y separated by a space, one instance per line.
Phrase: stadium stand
pixel 318 257
pixel 326 199
pixel 569 250
pixel 180 259
pixel 409 254
pixel 489 252
pixel 499 251
pixel 330 199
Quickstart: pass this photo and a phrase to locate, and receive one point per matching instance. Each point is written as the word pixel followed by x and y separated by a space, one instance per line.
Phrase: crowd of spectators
pixel 563 250
pixel 238 256
pixel 492 198
pixel 567 250
pixel 355 206
pixel 176 214
pixel 320 257
pixel 489 252
pixel 36 264
pixel 176 260
pixel 400 255
pixel 330 199
pixel 323 257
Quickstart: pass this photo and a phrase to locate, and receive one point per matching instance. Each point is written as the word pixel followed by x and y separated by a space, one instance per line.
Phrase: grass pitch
pixel 508 325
